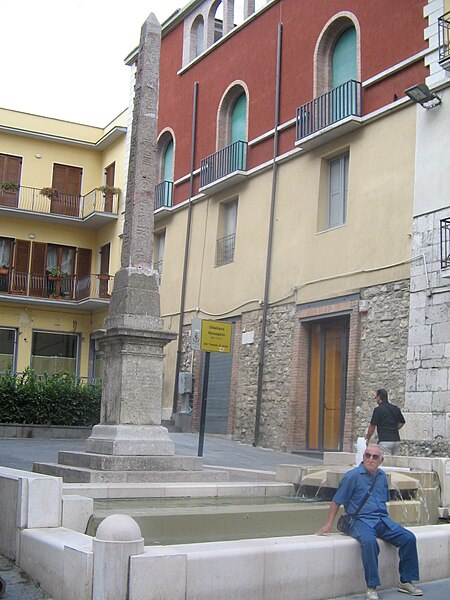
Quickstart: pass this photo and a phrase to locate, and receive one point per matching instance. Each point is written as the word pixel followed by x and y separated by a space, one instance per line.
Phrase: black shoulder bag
pixel 345 521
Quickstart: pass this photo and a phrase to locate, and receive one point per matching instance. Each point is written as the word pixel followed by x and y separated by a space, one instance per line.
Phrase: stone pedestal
pixel 129 444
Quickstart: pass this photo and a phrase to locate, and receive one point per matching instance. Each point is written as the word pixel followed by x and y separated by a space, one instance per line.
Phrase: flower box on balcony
pixel 4 271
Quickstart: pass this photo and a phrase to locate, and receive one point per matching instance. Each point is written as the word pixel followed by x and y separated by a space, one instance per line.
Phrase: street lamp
pixel 421 94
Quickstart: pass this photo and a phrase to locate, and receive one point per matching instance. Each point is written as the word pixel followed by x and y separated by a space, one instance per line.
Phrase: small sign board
pixel 211 336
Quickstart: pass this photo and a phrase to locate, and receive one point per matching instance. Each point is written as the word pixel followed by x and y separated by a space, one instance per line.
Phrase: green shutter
pixel 239 120
pixel 168 162
pixel 344 58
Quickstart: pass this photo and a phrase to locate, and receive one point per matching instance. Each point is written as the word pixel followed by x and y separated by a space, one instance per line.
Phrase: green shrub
pixel 48 399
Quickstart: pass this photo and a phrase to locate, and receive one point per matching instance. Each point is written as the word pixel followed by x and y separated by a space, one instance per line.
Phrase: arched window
pixel 343 61
pixel 239 120
pixel 197 37
pixel 336 56
pixel 238 12
pixel 164 189
pixel 232 116
pixel 218 21
pixel 168 162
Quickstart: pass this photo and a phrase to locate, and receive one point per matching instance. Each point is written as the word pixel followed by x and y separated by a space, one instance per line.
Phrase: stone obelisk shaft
pixel 134 339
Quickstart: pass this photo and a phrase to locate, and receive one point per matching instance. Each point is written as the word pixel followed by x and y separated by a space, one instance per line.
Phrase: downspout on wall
pixel 186 249
pixel 269 241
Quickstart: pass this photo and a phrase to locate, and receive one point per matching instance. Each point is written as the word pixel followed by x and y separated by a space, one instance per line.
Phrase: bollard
pixel 118 537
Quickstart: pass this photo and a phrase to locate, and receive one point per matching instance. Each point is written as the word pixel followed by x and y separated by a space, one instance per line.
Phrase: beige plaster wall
pixel 376 235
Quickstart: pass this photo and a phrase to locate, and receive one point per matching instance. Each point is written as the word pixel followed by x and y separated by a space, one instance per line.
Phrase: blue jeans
pixel 396 535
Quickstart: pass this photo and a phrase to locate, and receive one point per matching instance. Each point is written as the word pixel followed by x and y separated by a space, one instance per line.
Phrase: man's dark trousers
pixel 394 534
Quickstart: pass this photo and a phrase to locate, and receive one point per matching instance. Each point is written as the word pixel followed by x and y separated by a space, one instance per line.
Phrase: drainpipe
pixel 269 242
pixel 186 248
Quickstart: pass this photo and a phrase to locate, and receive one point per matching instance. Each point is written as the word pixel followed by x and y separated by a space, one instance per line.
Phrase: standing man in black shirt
pixel 388 419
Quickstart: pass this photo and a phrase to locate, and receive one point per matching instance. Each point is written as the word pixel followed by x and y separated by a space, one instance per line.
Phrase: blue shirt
pixel 353 488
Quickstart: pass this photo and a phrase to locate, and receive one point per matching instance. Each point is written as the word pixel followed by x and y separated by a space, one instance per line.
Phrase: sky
pixel 65 58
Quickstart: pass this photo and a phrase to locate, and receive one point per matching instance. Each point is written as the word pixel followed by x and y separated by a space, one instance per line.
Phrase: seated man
pixel 373 521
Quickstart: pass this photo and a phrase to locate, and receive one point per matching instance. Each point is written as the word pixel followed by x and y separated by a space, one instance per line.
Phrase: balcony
pixel 329 116
pixel 94 209
pixel 163 197
pixel 88 291
pixel 444 41
pixel 445 247
pixel 224 168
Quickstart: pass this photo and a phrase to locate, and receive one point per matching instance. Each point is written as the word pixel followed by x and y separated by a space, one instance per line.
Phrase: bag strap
pixel 364 500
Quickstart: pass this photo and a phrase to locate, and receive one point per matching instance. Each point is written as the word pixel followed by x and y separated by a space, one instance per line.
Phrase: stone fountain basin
pixel 406 486
pixel 175 521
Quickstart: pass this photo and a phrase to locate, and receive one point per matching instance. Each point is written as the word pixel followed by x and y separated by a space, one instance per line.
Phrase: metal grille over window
pixel 445 243
pixel 444 40
pixel 225 250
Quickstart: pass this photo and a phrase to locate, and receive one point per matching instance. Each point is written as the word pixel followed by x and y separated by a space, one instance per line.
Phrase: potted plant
pixel 4 269
pixel 53 273
pixel 105 189
pixel 50 192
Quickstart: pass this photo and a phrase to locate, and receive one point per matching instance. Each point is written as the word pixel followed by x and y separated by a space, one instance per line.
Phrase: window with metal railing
pixel 445 243
pixel 230 159
pixel 225 250
pixel 444 37
pixel 163 194
pixel 337 104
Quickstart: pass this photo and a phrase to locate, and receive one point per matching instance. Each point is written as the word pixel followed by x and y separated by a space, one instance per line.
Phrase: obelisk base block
pixel 125 440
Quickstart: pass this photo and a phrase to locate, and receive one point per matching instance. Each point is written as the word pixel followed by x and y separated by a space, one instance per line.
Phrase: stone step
pixel 108 462
pixel 72 474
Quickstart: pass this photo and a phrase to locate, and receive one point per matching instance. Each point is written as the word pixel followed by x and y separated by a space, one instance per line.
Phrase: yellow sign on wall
pixel 216 336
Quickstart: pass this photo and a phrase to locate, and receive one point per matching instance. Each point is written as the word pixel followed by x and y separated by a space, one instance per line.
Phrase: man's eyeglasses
pixel 374 456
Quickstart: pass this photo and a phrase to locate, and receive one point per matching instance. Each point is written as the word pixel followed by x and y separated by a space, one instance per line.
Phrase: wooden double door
pixel 327 381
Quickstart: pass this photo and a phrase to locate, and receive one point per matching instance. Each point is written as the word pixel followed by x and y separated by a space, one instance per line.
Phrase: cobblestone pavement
pixel 18 585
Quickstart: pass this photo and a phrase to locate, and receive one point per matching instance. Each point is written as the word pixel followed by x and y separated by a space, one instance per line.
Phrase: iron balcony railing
pixel 445 243
pixel 225 250
pixel 224 162
pixel 61 287
pixel 337 104
pixel 163 194
pixel 444 37
pixel 33 200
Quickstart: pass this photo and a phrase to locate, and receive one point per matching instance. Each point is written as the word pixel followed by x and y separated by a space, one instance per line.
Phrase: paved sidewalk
pixel 435 590
pixel 18 585
pixel 218 451
pixel 21 453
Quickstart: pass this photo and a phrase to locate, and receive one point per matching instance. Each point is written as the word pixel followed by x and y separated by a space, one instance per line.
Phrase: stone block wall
pixel 427 398
pixel 382 349
pixel 378 334
pixel 276 379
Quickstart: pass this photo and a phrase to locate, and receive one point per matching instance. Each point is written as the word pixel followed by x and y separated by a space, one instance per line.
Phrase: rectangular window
pixel 54 352
pixel 337 190
pixel 67 183
pixel 8 339
pixel 10 172
pixel 227 226
pixel 160 243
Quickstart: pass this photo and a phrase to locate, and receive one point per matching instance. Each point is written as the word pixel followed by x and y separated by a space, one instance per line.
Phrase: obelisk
pixel 133 342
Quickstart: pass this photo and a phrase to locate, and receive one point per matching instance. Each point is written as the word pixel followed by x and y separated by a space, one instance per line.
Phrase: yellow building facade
pixel 61 200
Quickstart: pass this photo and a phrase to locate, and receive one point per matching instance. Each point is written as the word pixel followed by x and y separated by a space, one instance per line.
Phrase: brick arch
pixel 326 42
pixel 226 105
pixel 165 137
pixel 194 37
